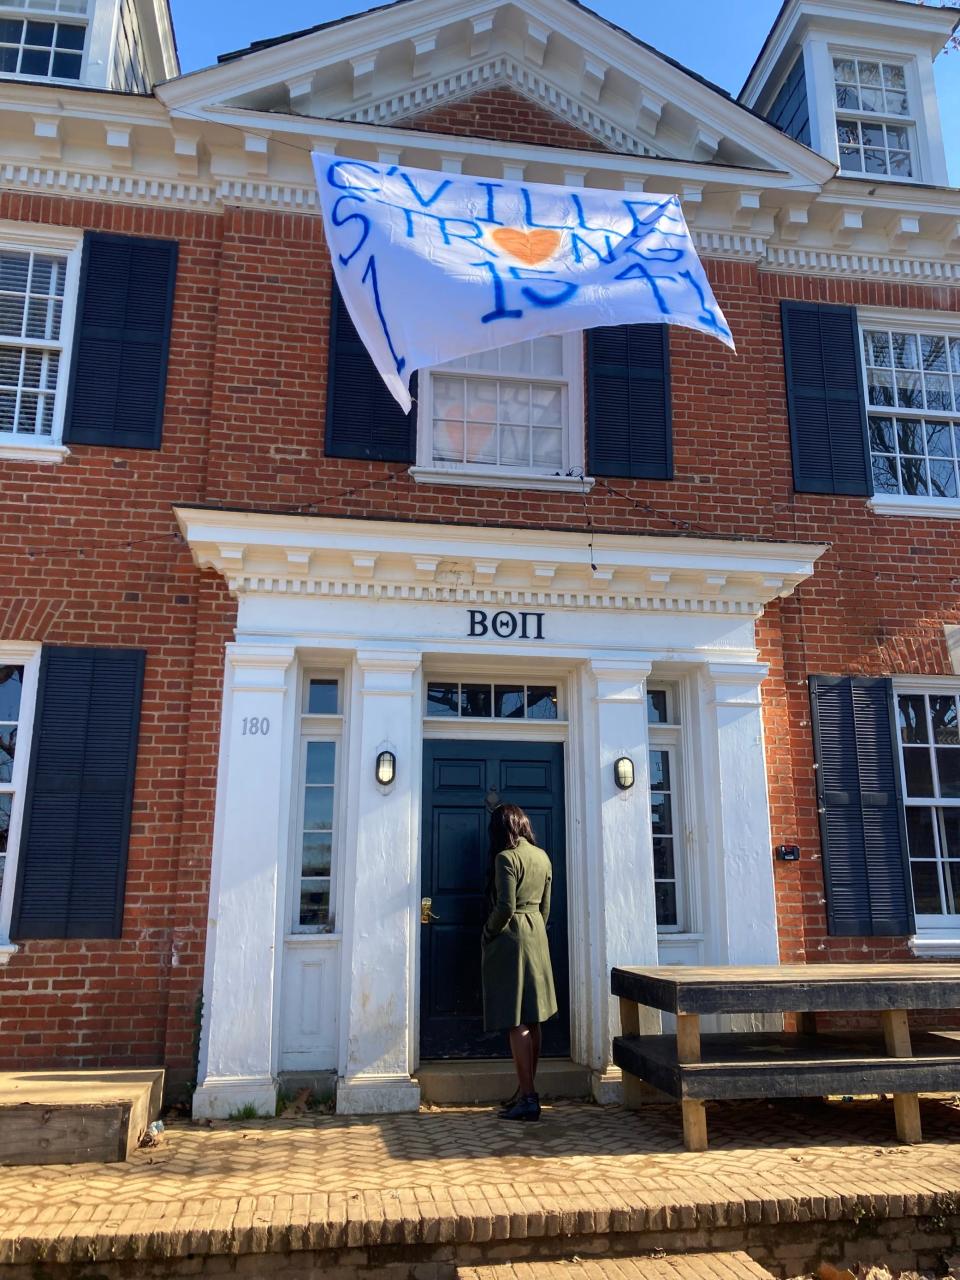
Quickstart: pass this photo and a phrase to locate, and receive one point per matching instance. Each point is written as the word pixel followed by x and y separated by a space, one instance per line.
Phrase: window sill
pixel 33 452
pixel 497 478
pixel 925 508
pixel 7 951
pixel 933 947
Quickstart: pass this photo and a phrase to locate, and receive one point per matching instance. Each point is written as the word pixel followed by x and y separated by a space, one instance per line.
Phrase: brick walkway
pixel 463 1177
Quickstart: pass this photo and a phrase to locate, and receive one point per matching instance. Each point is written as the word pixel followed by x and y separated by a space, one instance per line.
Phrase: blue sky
pixel 721 48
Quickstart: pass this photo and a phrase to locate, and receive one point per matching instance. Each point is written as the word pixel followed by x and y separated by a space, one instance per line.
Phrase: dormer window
pixel 46 44
pixel 874 128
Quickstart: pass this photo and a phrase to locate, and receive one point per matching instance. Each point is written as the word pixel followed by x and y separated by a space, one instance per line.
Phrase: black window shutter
pixel 363 419
pixel 629 428
pixel 118 374
pixel 73 848
pixel 825 399
pixel 862 826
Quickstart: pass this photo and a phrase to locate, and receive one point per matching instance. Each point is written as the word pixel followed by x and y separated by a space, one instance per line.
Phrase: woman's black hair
pixel 508 826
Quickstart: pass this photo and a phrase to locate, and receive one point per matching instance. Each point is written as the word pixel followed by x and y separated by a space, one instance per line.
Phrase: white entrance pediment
pixel 391 64
pixel 261 554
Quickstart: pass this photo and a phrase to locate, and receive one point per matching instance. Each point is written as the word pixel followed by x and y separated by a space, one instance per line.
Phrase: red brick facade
pixel 92 555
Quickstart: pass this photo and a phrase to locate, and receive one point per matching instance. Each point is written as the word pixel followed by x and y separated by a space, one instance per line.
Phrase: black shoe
pixel 526 1109
pixel 510 1102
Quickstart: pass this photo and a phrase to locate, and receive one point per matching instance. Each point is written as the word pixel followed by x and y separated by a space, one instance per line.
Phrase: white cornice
pixel 868 266
pixel 373 559
pixel 504 71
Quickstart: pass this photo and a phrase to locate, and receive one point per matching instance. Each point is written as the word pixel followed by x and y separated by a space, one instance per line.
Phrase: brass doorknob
pixel 426 912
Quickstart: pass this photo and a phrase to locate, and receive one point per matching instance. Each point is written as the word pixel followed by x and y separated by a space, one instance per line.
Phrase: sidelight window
pixel 665 730
pixel 316 832
pixel 18 685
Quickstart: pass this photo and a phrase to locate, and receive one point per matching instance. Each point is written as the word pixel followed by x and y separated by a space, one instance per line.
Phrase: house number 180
pixel 256 726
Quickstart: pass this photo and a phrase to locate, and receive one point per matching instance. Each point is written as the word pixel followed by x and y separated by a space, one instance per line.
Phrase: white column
pixel 744 911
pixel 625 923
pixel 238 1042
pixel 383 898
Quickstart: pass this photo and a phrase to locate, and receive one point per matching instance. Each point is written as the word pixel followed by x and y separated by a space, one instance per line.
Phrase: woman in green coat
pixel 518 989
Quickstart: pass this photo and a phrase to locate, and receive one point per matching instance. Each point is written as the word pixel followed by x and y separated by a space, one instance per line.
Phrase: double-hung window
pixel 912 378
pixel 928 723
pixel 510 415
pixel 42 39
pixel 316 830
pixel 38 286
pixel 876 132
pixel 19 666
pixel 669 871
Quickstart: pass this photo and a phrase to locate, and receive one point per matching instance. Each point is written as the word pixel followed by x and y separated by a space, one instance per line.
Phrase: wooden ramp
pixel 680 1266
pixel 75 1117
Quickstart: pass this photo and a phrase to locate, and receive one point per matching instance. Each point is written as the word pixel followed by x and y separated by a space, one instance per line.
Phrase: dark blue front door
pixel 461 781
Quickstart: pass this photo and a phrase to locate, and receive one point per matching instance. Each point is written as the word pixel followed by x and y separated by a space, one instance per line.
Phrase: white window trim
pixel 919 322
pixel 915 122
pixel 28 237
pixel 316 728
pixel 935 935
pixel 475 475
pixel 26 655
pixel 71 19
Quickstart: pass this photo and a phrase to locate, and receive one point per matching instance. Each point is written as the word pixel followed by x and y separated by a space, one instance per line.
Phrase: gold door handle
pixel 426 912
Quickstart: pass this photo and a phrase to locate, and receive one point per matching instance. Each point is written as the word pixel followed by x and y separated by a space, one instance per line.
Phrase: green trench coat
pixel 517 973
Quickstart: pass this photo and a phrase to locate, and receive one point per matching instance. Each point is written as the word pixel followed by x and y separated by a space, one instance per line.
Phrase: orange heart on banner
pixel 528 246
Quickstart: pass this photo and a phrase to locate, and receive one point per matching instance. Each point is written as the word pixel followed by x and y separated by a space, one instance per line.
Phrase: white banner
pixel 434 266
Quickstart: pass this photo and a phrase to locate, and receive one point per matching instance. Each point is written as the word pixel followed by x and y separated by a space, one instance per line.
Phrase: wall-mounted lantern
pixel 624 774
pixel 386 768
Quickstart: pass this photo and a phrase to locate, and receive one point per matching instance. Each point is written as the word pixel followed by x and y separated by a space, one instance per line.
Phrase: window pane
pixel 659 770
pixel 880 388
pixel 11 686
pixel 939 439
pixel 6 803
pixel 515 446
pixel 848 131
pixel 666 898
pixel 913 477
pixel 508 701
pixel 912 716
pixel 905 351
pixel 871 99
pixel 869 72
pixel 844 70
pixel 443 700
pixel 8 746
pixel 901 165
pixel 948 767
pixel 542 702
pixel 848 99
pixel 39 34
pixel 852 162
pixel 661 814
pixel 323 698
pixel 318 809
pixel 894 77
pixel 950 832
pixel 657 706
pixel 547 448
pixel 66 66
pixel 448 441
pixel 481 443
pixel 70 36
pixel 321 762
pixel 920 836
pixel 952 872
pixel 882 438
pixel 11 29
pixel 917 768
pixel 939 392
pixel 663 861
pixel 886 476
pixel 944 721
pixel 475 700
pixel 314 902
pixel 897 104
pixel 926 889
pixel 317 853
pixel 35 62
pixel 943 480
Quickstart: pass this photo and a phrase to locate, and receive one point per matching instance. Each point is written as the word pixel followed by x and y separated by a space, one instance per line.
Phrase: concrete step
pixel 685 1266
pixel 493 1080
pixel 75 1117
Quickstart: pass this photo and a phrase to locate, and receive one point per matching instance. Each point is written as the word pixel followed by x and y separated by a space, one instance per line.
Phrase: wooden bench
pixel 696 1069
